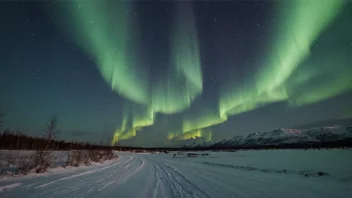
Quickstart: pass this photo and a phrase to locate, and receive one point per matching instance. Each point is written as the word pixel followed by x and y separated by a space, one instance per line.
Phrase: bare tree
pixel 52 129
pixel 43 158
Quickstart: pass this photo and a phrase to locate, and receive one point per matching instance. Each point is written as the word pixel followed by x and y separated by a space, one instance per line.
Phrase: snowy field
pixel 280 173
pixel 58 157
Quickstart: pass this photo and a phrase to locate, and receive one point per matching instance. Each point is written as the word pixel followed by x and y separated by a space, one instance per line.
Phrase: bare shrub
pixel 94 155
pixel 16 165
pixel 42 161
pixel 85 158
pixel 79 158
pixel 108 155
pixel 75 158
pixel 11 161
pixel 68 161
pixel 26 164
pixel 101 155
pixel 70 158
pixel 3 168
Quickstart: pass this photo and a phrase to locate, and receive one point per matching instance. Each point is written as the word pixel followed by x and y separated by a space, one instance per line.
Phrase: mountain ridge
pixel 281 137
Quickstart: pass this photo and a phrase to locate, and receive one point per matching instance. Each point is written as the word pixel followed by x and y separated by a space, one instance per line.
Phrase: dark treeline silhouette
pixel 18 141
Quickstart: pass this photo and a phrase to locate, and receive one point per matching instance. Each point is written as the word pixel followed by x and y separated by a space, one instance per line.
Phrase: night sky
pixel 144 73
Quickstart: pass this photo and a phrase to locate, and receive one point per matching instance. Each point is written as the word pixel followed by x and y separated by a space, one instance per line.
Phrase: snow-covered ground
pixel 16 163
pixel 280 173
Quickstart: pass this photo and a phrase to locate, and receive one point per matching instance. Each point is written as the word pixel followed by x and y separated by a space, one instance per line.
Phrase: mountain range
pixel 280 137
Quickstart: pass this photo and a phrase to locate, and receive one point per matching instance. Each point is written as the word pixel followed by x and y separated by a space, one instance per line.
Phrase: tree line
pixel 15 140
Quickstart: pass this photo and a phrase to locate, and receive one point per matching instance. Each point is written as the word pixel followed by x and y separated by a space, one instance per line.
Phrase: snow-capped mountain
pixel 282 137
pixel 197 142
pixel 328 134
pixel 201 144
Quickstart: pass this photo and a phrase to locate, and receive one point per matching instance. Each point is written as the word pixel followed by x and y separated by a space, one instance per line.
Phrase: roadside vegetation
pixel 21 154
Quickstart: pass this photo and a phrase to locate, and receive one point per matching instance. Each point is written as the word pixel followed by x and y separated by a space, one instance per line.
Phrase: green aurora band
pixel 286 76
pixel 134 119
pixel 288 73
pixel 204 133
pixel 302 22
pixel 110 45
pixel 183 83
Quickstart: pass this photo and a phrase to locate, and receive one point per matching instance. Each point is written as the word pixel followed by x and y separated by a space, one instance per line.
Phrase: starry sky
pixel 158 73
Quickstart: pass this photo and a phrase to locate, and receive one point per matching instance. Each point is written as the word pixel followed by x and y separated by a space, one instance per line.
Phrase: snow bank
pixel 13 162
pixel 9 187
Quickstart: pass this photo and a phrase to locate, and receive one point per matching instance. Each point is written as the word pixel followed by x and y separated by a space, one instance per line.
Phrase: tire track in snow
pixel 9 187
pixel 237 185
pixel 85 180
pixel 140 163
pixel 240 185
pixel 183 177
pixel 155 191
pixel 180 185
pixel 78 175
pixel 100 182
pixel 235 182
pixel 66 178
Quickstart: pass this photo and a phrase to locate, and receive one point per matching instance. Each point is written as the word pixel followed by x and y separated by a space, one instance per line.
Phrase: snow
pixel 9 187
pixel 219 174
pixel 9 171
pixel 58 157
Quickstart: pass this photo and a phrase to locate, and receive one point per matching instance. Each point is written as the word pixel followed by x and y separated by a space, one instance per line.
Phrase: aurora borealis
pixel 158 73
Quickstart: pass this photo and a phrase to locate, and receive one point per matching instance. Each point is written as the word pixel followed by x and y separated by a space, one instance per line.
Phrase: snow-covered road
pixel 160 175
